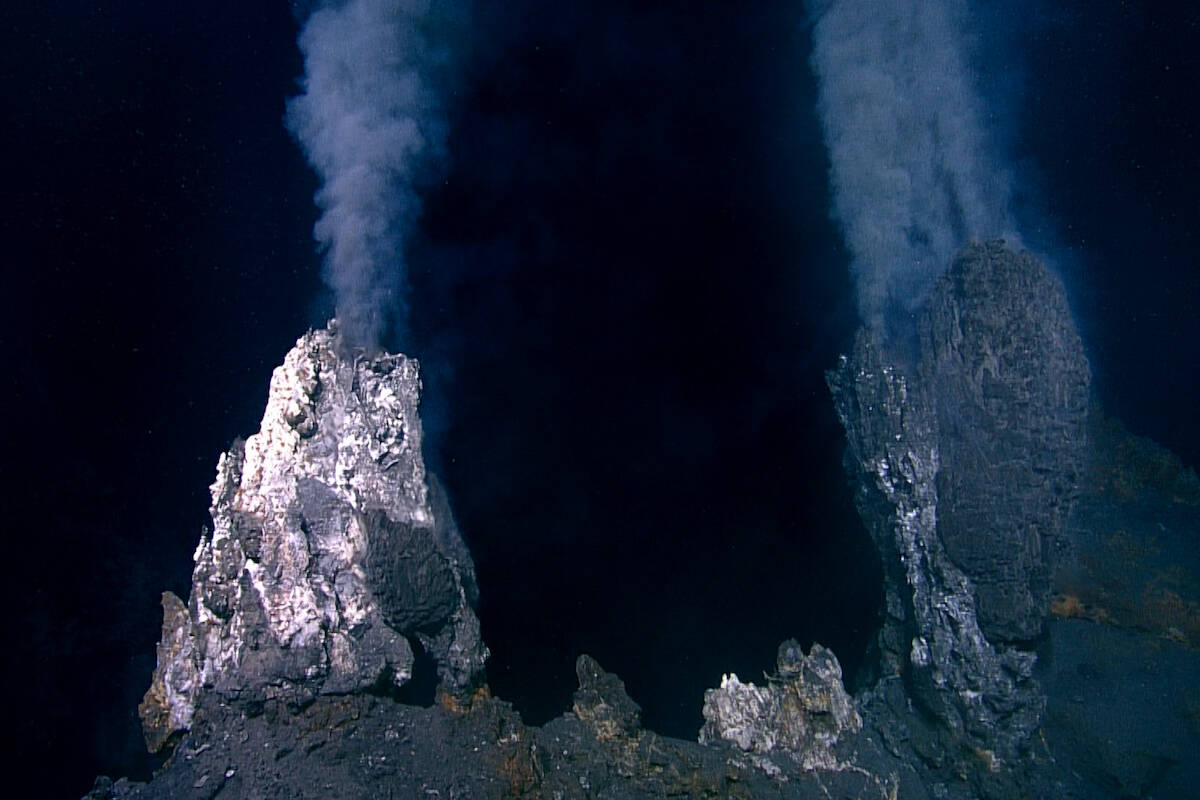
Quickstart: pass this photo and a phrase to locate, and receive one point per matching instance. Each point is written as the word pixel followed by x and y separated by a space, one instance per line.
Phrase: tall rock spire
pixel 327 556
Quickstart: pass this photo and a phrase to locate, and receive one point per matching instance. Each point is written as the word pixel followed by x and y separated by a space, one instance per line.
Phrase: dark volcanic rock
pixel 966 467
pixel 364 746
pixel 331 553
pixel 931 636
pixel 602 703
pixel 1123 652
pixel 1009 381
pixel 1123 716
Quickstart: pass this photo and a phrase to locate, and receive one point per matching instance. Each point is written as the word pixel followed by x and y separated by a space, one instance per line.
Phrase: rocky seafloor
pixel 1038 637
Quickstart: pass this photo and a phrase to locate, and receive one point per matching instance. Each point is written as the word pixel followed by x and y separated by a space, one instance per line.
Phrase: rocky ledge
pixel 1006 664
pixel 334 559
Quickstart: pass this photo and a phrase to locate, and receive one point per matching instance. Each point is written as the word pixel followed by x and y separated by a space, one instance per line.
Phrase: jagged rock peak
pixel 602 703
pixel 802 711
pixel 326 555
pixel 351 424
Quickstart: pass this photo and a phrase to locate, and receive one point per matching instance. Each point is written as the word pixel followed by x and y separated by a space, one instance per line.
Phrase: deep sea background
pixel 625 289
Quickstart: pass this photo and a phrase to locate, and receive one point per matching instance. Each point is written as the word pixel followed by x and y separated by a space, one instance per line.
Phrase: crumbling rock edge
pixel 311 513
pixel 801 714
pixel 331 553
pixel 367 746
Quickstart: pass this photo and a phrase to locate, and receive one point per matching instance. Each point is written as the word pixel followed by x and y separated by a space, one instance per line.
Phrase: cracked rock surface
pixel 802 711
pixel 1009 385
pixel 334 557
pixel 328 556
pixel 966 465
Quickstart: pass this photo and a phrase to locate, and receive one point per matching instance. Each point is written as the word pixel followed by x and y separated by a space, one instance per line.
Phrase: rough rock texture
pixel 802 711
pixel 931 635
pixel 1009 379
pixel 1123 652
pixel 327 556
pixel 170 701
pixel 365 746
pixel 965 468
pixel 331 551
pixel 602 703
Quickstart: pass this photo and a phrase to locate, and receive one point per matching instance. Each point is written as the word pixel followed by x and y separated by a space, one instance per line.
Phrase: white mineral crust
pixel 343 426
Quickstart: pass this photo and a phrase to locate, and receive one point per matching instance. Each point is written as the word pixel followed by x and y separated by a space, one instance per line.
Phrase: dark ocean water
pixel 625 290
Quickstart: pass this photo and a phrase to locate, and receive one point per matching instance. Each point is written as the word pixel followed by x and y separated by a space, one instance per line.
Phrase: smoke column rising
pixel 911 173
pixel 369 121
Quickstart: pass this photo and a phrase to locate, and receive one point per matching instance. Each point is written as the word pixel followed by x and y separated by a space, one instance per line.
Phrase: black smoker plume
pixel 913 173
pixel 371 122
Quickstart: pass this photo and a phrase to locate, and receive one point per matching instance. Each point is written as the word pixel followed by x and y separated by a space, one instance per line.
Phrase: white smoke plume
pixel 370 121
pixel 912 174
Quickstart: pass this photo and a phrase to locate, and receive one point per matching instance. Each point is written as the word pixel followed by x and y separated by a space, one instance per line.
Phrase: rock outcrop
pixel 329 555
pixel 332 556
pixel 931 634
pixel 1009 383
pixel 802 711
pixel 363 746
pixel 965 466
